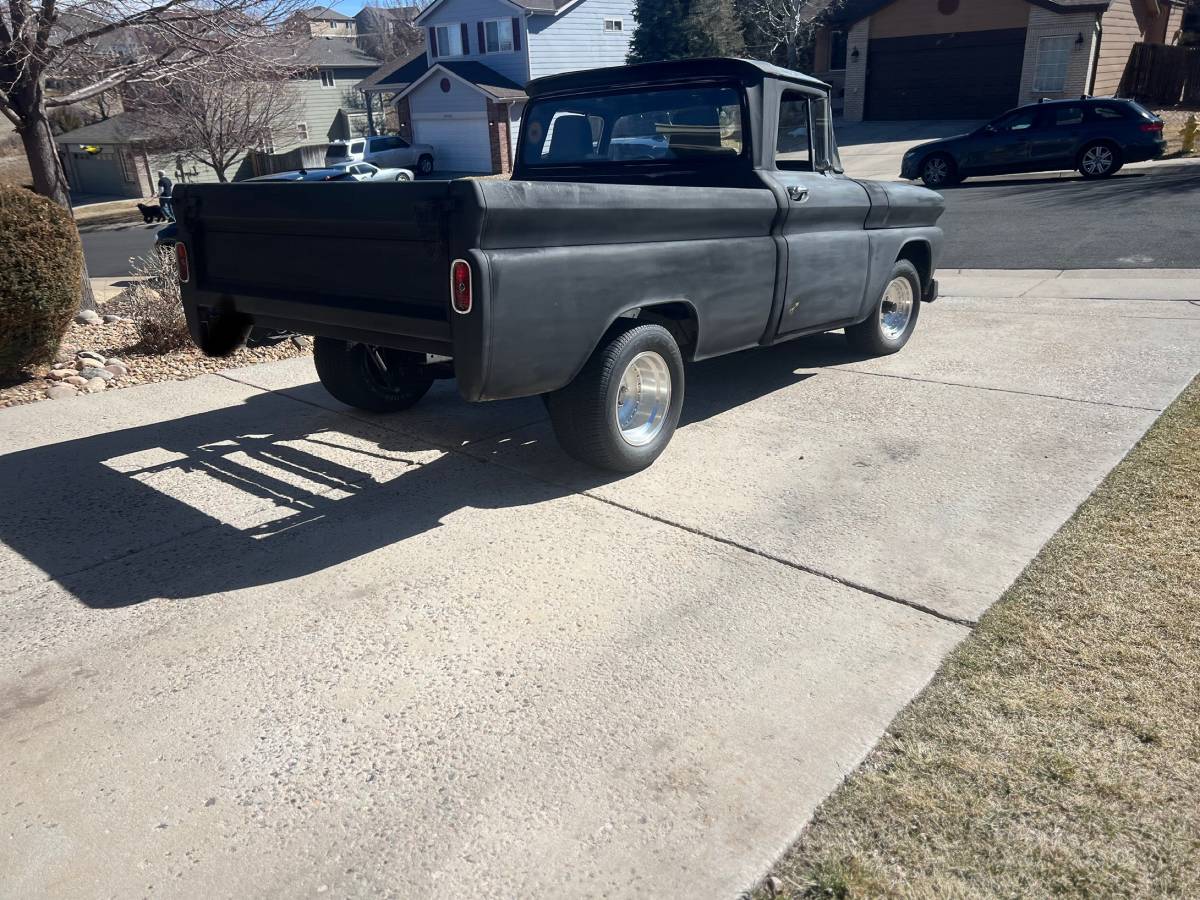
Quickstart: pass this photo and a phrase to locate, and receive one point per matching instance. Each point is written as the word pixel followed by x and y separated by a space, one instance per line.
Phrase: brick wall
pixel 856 71
pixel 1043 24
pixel 498 135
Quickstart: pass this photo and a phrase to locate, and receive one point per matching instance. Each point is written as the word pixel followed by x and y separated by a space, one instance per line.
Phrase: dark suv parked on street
pixel 1094 135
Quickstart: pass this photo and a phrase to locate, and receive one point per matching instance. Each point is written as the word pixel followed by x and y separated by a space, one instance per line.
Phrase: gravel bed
pixel 116 362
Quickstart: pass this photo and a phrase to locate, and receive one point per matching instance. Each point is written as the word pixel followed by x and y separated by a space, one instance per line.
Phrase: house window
pixel 449 40
pixel 127 167
pixel 1054 53
pixel 837 51
pixel 302 131
pixel 499 35
pixel 327 79
pixel 614 24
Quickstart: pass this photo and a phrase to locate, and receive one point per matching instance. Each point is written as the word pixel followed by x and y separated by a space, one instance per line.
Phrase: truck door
pixel 827 248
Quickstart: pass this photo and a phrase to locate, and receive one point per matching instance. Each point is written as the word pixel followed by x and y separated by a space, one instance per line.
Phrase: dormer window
pixel 327 79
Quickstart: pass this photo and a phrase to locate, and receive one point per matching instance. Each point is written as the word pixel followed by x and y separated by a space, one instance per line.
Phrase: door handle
pixel 796 193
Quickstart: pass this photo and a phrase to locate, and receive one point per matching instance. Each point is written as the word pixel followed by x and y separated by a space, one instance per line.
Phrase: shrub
pixel 155 306
pixel 41 264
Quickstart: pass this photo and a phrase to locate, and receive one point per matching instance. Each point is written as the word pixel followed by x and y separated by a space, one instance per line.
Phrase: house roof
pixel 325 14
pixel 403 74
pixel 334 53
pixel 856 10
pixel 123 128
pixel 550 7
pixel 403 13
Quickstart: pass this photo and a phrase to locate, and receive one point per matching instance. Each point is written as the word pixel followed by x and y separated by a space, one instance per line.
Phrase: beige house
pixel 322 21
pixel 973 59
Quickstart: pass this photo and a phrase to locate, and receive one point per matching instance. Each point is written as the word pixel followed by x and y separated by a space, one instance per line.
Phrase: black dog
pixel 151 213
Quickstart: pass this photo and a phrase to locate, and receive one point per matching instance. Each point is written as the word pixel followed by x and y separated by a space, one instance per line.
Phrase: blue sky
pixel 349 7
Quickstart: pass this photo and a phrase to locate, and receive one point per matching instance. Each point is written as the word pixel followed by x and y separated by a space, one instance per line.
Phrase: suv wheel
pixel 1099 160
pixel 425 164
pixel 622 408
pixel 894 317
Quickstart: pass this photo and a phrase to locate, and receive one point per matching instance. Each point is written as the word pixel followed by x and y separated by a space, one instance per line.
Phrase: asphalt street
pixel 1140 218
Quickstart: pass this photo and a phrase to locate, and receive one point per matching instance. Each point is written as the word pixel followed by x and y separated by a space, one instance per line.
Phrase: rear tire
pixel 425 165
pixel 1099 159
pixel 622 408
pixel 351 374
pixel 894 317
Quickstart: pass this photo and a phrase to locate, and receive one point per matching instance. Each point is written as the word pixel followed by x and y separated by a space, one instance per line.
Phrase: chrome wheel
pixel 936 171
pixel 1097 160
pixel 643 398
pixel 896 308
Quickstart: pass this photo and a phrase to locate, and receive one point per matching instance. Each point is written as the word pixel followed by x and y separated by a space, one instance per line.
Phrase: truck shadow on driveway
pixel 275 489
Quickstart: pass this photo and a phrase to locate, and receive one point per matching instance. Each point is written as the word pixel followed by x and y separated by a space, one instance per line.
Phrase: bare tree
pixel 56 53
pixel 787 27
pixel 216 118
pixel 387 32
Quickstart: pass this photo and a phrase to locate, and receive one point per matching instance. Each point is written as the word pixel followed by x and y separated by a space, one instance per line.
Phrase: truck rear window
pixel 335 151
pixel 631 126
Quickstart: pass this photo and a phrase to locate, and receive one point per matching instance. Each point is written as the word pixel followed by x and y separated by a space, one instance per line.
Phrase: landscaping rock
pixel 113 361
pixel 110 319
pixel 61 374
pixel 118 371
pixel 95 386
pixel 95 372
pixel 89 317
pixel 76 380
pixel 91 354
pixel 302 342
pixel 61 391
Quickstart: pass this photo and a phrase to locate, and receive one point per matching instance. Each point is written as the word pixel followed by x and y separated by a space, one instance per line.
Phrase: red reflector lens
pixel 1153 126
pixel 460 286
pixel 181 262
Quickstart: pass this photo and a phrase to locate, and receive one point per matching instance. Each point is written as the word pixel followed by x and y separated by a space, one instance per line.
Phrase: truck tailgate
pixel 322 258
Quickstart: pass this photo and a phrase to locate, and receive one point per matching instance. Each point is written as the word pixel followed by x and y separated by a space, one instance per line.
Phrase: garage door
pixel 460 141
pixel 969 75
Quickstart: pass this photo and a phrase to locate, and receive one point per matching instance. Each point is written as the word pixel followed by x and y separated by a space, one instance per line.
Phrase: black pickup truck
pixel 657 213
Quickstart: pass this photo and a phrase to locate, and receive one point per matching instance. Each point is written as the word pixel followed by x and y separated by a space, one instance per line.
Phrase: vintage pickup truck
pixel 657 214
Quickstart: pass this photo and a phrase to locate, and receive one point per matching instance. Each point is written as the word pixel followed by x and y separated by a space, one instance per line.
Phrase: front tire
pixel 939 170
pixel 622 408
pixel 376 379
pixel 1099 160
pixel 425 165
pixel 894 317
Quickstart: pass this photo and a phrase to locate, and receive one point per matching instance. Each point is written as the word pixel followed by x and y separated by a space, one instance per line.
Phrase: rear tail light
pixel 181 262
pixel 1152 126
pixel 460 286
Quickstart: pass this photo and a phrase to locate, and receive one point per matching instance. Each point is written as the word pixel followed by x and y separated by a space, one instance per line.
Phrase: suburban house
pixel 973 59
pixel 325 22
pixel 116 157
pixel 465 93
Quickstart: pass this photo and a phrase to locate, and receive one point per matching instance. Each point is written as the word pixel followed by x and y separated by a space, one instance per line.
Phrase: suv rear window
pixel 336 151
pixel 357 147
pixel 694 124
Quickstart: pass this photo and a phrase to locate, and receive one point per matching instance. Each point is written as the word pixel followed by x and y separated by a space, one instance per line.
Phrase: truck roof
pixel 746 70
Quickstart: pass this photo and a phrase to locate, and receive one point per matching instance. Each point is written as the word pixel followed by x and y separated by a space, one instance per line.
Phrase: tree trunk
pixel 50 180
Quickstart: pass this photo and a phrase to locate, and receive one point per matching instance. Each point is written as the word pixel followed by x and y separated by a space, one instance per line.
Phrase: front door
pixel 1055 137
pixel 827 248
pixel 1005 145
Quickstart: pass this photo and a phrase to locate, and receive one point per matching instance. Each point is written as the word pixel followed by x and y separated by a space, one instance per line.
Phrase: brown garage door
pixel 970 75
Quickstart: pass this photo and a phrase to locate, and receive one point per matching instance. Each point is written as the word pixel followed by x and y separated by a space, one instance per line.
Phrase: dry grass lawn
pixel 1057 753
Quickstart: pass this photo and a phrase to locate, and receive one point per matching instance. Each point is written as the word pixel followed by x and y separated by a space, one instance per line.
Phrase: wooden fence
pixel 1162 75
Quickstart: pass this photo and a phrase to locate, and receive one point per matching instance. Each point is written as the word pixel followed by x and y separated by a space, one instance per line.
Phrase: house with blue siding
pixel 465 92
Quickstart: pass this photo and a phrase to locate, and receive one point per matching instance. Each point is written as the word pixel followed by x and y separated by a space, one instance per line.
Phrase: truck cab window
pixel 635 126
pixel 793 146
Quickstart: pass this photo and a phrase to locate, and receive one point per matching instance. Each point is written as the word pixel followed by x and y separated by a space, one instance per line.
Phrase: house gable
pixel 577 37
pixel 474 14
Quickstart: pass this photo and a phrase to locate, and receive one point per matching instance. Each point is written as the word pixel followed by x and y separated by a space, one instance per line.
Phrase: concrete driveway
pixel 252 643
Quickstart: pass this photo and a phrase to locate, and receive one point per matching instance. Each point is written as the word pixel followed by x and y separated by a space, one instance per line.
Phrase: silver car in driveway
pixel 385 151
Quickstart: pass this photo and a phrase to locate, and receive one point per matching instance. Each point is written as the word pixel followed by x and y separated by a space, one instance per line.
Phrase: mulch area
pixel 119 340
